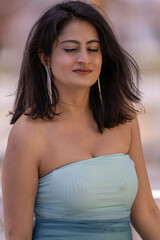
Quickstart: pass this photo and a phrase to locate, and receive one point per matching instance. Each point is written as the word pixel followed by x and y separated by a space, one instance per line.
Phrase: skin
pixel 37 147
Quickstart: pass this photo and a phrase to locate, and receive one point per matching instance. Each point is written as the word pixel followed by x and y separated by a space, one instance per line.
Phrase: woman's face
pixel 76 58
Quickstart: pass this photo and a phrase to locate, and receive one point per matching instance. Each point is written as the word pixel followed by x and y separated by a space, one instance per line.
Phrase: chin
pixel 84 83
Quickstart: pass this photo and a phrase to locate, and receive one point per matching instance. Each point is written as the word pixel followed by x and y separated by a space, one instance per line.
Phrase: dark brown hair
pixel 118 74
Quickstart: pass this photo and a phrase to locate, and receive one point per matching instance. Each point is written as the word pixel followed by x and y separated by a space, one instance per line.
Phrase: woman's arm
pixel 145 215
pixel 20 180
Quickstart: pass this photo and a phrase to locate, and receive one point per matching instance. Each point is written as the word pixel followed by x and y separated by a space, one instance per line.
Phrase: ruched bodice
pixel 88 199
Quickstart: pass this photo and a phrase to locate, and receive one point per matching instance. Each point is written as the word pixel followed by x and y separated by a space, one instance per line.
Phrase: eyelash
pixel 74 49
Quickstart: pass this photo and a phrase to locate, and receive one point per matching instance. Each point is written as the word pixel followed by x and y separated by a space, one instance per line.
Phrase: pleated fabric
pixel 88 199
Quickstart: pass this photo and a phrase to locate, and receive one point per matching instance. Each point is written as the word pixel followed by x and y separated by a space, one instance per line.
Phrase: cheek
pixel 98 64
pixel 61 62
pixel 61 66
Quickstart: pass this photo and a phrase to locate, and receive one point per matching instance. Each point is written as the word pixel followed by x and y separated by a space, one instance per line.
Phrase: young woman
pixel 74 156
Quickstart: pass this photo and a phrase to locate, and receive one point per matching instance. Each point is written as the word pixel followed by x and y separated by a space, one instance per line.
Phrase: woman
pixel 74 156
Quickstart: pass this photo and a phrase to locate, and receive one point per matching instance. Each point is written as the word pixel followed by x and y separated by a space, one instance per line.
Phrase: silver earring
pixel 99 89
pixel 49 82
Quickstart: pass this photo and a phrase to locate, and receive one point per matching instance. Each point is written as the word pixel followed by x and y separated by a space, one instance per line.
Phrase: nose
pixel 83 57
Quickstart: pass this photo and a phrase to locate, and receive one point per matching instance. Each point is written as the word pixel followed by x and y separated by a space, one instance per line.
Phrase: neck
pixel 70 104
pixel 74 104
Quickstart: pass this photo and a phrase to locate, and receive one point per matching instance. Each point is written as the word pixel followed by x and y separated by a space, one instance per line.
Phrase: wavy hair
pixel 118 78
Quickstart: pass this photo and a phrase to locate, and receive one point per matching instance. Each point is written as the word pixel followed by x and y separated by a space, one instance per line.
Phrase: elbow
pixel 11 235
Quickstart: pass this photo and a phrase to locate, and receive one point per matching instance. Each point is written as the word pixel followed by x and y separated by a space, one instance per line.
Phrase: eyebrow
pixel 77 42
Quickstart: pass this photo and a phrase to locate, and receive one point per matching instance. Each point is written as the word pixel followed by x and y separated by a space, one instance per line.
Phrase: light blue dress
pixel 90 200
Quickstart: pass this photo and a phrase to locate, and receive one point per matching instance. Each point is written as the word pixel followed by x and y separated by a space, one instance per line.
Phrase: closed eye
pixel 92 50
pixel 70 49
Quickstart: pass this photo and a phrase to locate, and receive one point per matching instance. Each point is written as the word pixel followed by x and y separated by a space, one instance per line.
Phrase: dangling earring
pixel 99 89
pixel 49 82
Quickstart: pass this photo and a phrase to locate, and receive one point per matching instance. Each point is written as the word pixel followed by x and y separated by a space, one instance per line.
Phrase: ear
pixel 43 57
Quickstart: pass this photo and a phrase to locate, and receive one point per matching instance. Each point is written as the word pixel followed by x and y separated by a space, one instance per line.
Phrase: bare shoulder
pixel 27 131
pixel 136 145
pixel 27 128
pixel 26 140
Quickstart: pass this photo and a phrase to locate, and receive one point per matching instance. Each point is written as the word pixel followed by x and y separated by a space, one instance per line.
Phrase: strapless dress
pixel 90 200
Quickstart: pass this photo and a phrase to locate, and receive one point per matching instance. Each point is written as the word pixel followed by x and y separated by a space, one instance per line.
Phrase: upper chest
pixel 67 143
pixel 88 135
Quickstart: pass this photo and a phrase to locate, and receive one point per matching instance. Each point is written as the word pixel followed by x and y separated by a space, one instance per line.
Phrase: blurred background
pixel 136 24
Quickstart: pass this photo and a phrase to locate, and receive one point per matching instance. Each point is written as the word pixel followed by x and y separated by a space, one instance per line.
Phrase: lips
pixel 83 71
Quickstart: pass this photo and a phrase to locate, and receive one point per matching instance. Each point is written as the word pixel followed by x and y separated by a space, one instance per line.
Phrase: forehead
pixel 79 30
